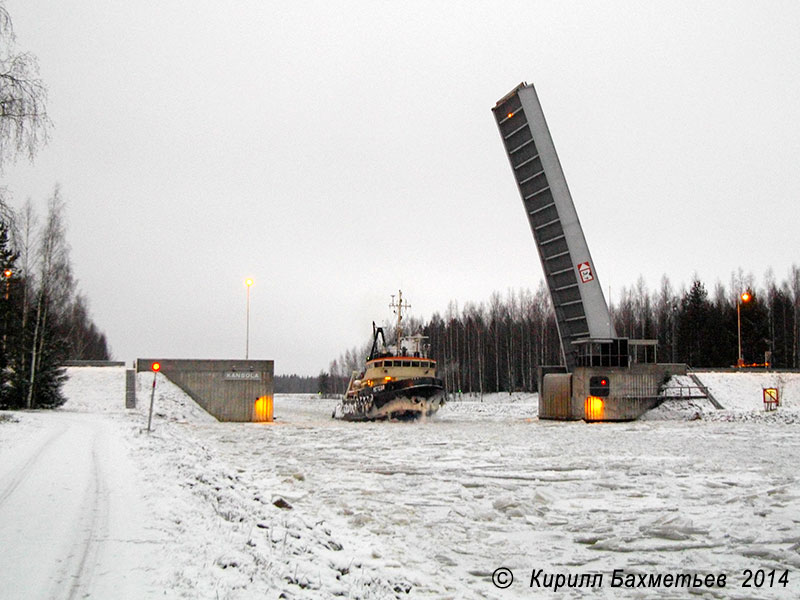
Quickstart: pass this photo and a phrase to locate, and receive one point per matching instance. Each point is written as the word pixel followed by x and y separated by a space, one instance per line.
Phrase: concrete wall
pixel 93 363
pixel 632 392
pixel 130 388
pixel 556 397
pixel 226 389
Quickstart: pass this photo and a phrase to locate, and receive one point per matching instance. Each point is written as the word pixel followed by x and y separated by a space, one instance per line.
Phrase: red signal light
pixel 599 386
pixel 156 367
pixel 509 115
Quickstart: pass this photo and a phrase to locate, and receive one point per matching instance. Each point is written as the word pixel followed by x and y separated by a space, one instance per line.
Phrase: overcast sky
pixel 338 151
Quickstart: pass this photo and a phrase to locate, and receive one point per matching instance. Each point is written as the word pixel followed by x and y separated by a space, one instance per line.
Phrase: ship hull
pixel 407 400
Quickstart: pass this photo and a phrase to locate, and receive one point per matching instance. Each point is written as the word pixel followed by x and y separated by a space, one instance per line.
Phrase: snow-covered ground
pixel 308 507
pixel 740 393
pixel 73 520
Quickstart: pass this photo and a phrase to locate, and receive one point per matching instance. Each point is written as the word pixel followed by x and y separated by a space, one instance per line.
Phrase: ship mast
pixel 398 307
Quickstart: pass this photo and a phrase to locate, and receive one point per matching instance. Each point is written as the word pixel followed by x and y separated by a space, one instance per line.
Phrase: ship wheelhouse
pixel 381 370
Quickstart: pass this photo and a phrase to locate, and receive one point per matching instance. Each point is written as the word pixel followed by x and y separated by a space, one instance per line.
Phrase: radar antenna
pixel 397 308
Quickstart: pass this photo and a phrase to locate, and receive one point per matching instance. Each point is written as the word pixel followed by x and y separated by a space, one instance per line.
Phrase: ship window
pixel 388 363
pixel 414 363
pixel 406 363
pixel 378 364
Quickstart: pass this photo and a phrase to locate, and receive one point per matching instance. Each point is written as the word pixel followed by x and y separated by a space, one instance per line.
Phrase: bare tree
pixel 794 286
pixel 24 123
pixel 56 284
pixel 26 241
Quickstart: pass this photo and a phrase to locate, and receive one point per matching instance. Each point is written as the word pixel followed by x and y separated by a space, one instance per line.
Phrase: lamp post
pixel 155 368
pixel 744 297
pixel 7 273
pixel 674 318
pixel 248 282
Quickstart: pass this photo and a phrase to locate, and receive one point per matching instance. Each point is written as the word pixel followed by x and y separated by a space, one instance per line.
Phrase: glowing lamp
pixel 509 115
pixel 7 273
pixel 248 282
pixel 745 297
pixel 595 403
pixel 594 408
pixel 262 411
pixel 155 367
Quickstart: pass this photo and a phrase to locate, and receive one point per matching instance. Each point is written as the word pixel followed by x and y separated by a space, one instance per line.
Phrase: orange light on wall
pixel 262 412
pixel 155 367
pixel 509 115
pixel 594 409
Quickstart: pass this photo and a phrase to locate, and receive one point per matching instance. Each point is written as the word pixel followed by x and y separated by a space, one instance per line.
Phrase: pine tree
pixel 692 334
pixel 324 384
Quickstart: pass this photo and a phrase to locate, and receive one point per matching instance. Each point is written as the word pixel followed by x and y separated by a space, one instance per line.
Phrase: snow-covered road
pixel 308 507
pixel 72 520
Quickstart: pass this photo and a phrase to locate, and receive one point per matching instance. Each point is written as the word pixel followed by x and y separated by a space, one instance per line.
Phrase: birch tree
pixel 55 287
pixel 24 123
pixel 794 286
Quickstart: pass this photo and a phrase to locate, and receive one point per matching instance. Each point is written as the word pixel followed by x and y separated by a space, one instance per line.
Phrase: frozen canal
pixel 308 507
pixel 436 507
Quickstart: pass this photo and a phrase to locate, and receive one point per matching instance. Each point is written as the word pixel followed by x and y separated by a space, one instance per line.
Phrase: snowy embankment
pixel 308 507
pixel 739 393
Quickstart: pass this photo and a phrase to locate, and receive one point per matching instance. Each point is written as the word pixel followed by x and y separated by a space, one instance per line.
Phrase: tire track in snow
pixel 18 475
pixel 93 530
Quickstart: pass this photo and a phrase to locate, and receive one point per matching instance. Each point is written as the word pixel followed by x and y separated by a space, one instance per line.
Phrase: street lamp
pixel 155 368
pixel 248 282
pixel 674 318
pixel 7 275
pixel 744 297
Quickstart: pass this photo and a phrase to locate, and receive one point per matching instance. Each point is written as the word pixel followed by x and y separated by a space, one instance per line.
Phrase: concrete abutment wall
pixel 229 390
pixel 632 391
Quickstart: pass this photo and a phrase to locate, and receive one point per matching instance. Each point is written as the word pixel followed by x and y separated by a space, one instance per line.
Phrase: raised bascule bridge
pixel 604 377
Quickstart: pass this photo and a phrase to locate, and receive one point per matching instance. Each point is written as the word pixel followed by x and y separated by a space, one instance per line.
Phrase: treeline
pixel 498 345
pixel 701 327
pixel 45 320
pixel 295 384
pixel 482 347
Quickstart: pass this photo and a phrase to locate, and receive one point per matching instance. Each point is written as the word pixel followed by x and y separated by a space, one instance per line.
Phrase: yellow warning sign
pixel 771 399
